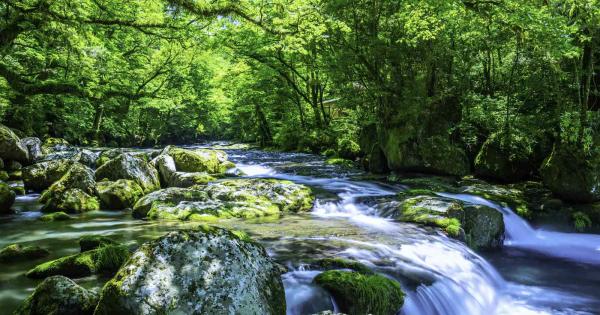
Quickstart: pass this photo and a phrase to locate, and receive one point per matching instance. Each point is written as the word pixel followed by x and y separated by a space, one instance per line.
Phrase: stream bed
pixel 537 272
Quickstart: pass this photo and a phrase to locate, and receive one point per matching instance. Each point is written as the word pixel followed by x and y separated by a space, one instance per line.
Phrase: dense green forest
pixel 300 157
pixel 506 89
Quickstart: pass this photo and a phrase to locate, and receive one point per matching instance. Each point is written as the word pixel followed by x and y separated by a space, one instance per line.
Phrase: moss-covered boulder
pixel 171 196
pixel 572 174
pixel 199 160
pixel 480 227
pixel 34 147
pixel 41 175
pixel 433 211
pixel 16 252
pixel 341 263
pixel 440 156
pixel 91 242
pixel 119 195
pixel 357 293
pixel 240 198
pixel 108 155
pixel 4 176
pixel 126 166
pixel 205 271
pixel 56 216
pixel 71 201
pixel 59 295
pixel 11 148
pixel 103 260
pixel 504 158
pixel 7 198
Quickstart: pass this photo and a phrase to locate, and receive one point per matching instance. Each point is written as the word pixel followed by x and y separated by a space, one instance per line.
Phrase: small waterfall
pixel 577 247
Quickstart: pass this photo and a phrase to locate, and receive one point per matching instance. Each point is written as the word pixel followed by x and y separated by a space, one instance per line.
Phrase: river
pixel 537 272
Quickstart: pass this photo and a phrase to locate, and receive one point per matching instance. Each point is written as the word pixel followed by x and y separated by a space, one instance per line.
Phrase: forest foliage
pixel 305 75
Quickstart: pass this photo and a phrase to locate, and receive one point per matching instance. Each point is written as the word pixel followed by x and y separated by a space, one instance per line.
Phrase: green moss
pixel 340 263
pixel 16 252
pixel 357 293
pixel 414 193
pixel 71 201
pixel 581 221
pixel 4 176
pixel 104 260
pixel 90 242
pixel 118 195
pixel 450 225
pixel 195 161
pixel 340 162
pixel 424 210
pixel 56 216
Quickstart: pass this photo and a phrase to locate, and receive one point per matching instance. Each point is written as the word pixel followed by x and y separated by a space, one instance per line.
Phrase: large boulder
pixel 206 271
pixel 108 155
pixel 33 146
pixel 7 198
pixel 119 195
pixel 73 193
pixel 41 175
pixel 435 155
pixel 55 144
pixel 126 166
pixel 59 295
pixel 165 165
pixel 79 176
pixel 199 160
pixel 102 260
pixel 241 198
pixel 504 158
pixel 359 293
pixel 11 148
pixel 572 174
pixel 480 227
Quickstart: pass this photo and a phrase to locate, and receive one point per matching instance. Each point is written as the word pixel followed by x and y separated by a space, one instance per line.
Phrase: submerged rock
pixel 126 166
pixel 59 295
pixel 11 148
pixel 16 252
pixel 41 175
pixel 243 198
pixel 206 271
pixel 7 198
pixel 56 216
pixel 357 293
pixel 103 260
pixel 119 195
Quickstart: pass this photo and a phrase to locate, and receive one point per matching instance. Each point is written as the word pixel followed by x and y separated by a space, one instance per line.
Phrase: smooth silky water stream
pixel 440 275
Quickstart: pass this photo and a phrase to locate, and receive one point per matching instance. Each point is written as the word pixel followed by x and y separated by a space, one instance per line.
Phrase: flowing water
pixel 538 272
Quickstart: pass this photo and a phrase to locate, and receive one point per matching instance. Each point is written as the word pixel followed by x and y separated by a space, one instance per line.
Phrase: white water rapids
pixel 460 281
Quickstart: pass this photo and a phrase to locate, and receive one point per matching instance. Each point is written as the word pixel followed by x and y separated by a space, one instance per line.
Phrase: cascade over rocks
pixel 59 295
pixel 126 166
pixel 205 271
pixel 246 198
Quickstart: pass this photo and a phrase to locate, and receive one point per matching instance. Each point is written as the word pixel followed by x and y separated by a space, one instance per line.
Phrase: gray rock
pixel 59 295
pixel 126 166
pixel 208 271
pixel 41 175
pixel 7 198
pixel 11 148
pixel 34 147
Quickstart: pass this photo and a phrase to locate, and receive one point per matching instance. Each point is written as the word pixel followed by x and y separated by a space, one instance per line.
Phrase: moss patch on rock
pixel 16 252
pixel 126 166
pixel 118 195
pixel 341 263
pixel 71 201
pixel 357 293
pixel 7 198
pixel 59 295
pixel 103 260
pixel 91 242
pixel 56 216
